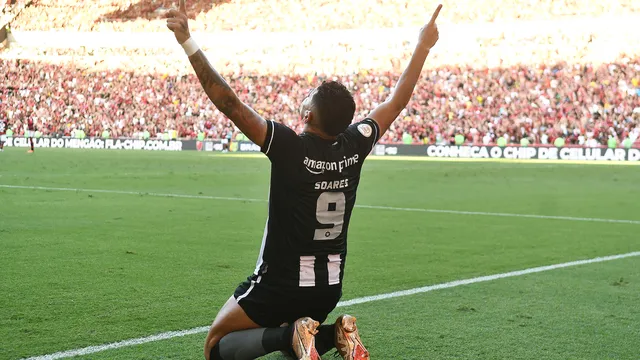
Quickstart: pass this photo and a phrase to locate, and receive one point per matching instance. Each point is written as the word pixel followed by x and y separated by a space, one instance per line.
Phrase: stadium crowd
pixel 583 104
pixel 298 15
pixel 349 52
pixel 477 89
pixel 8 9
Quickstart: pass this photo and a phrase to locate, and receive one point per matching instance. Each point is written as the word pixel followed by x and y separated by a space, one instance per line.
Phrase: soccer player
pixel 314 178
pixel 3 133
pixel 30 131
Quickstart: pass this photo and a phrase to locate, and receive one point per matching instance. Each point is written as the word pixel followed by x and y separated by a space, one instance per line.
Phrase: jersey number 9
pixel 330 211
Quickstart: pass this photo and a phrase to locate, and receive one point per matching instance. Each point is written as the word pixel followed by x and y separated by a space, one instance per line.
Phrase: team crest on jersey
pixel 365 129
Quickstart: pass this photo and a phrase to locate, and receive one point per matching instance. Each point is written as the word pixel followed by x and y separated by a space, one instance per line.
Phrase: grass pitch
pixel 88 268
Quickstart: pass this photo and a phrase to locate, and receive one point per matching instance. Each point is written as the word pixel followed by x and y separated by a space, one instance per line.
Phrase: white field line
pixel 437 211
pixel 120 344
pixel 362 300
pixel 482 213
pixel 140 193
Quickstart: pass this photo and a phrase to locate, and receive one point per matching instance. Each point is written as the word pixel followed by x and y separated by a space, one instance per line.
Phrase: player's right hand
pixel 178 22
pixel 429 33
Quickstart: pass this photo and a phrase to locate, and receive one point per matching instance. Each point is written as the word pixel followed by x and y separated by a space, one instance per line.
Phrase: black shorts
pixel 270 305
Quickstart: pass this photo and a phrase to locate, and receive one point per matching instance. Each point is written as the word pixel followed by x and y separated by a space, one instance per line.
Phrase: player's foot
pixel 304 341
pixel 286 355
pixel 30 151
pixel 348 340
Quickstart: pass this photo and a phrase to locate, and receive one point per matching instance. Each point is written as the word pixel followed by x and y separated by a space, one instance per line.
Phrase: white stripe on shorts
pixel 333 267
pixel 307 271
pixel 253 283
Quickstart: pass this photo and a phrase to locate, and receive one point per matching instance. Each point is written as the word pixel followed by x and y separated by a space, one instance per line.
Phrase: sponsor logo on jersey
pixel 365 129
pixel 315 172
pixel 318 167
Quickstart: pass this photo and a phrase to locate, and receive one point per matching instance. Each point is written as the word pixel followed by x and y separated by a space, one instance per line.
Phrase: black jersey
pixel 312 194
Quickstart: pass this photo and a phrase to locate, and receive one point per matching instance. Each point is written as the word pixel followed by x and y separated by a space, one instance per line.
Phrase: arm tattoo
pixel 226 100
pixel 220 93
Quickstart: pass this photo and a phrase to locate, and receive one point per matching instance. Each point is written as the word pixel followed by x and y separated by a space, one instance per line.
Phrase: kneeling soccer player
pixel 297 281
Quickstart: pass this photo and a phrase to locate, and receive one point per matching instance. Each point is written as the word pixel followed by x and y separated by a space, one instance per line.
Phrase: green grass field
pixel 82 268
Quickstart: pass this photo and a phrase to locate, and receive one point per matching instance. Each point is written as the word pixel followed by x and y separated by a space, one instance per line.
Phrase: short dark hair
pixel 335 106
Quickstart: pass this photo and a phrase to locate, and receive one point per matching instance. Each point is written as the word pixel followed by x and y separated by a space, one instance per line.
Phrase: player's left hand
pixel 178 22
pixel 429 33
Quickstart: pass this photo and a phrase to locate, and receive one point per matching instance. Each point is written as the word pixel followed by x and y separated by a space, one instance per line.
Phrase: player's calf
pixel 348 341
pixel 296 340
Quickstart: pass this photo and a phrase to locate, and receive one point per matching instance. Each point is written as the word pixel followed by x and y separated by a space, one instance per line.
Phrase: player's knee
pixel 214 354
pixel 212 340
pixel 212 349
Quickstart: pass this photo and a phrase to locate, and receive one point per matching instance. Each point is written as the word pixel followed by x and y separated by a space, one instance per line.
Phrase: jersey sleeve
pixel 364 135
pixel 282 145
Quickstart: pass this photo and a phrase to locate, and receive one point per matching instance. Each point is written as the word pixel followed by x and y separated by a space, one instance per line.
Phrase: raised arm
pixel 216 88
pixel 386 113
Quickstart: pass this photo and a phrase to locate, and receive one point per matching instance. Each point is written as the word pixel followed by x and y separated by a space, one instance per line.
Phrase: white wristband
pixel 190 47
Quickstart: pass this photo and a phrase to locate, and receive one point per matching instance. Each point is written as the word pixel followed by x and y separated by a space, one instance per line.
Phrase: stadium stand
pixel 553 76
pixel 298 15
pixel 577 102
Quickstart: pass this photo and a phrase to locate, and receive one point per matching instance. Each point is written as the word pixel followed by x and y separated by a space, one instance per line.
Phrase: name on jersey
pixel 318 167
pixel 330 185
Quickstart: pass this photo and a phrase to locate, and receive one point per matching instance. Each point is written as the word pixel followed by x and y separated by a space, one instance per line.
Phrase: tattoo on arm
pixel 226 100
pixel 220 93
